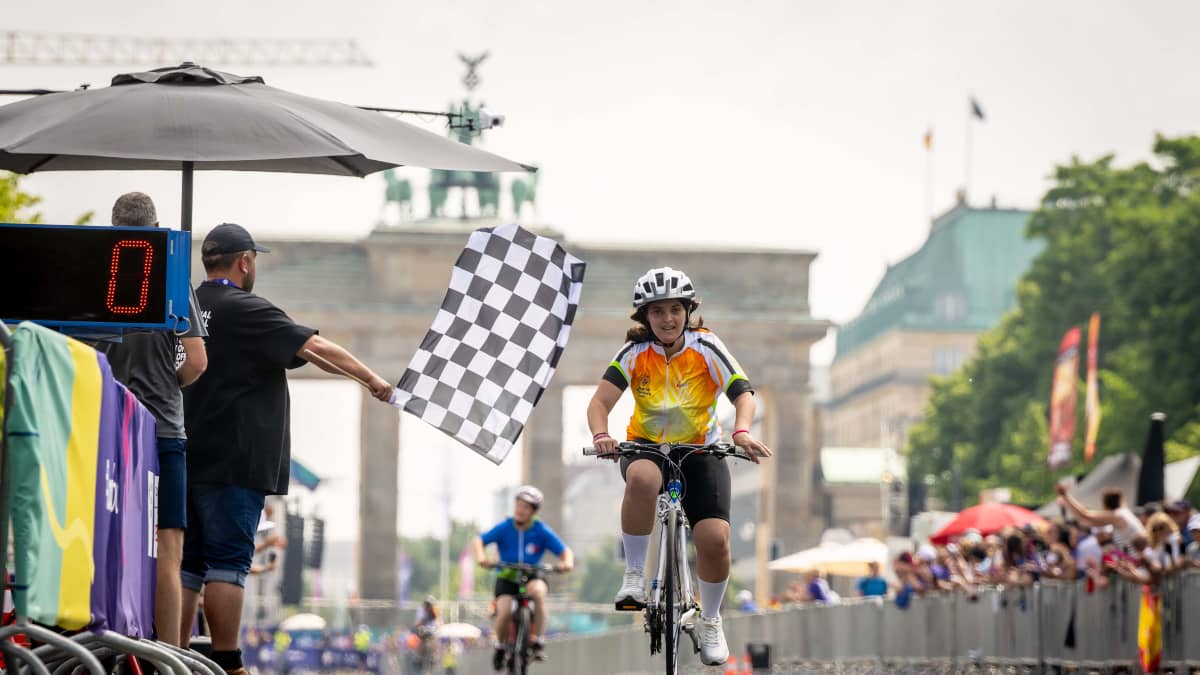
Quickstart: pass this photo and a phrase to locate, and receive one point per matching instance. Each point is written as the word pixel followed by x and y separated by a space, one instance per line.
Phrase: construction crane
pixel 79 49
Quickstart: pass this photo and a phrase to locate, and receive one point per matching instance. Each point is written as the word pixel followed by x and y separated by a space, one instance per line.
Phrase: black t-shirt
pixel 237 413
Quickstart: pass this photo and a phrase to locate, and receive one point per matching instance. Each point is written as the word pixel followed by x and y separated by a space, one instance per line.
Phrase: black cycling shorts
pixel 707 488
pixel 510 587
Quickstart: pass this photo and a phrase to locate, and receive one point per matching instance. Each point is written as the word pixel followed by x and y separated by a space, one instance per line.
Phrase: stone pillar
pixel 794 464
pixel 378 500
pixel 541 462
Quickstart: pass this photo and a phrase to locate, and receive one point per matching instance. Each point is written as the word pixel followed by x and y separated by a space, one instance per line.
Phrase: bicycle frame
pixel 674 533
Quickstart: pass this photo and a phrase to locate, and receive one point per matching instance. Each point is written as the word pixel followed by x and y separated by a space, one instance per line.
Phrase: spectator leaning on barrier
pixel 155 365
pixel 1181 512
pixel 1089 551
pixel 237 419
pixel 1125 524
pixel 1165 543
pixel 873 584
pixel 816 589
pixel 745 601
pixel 1193 549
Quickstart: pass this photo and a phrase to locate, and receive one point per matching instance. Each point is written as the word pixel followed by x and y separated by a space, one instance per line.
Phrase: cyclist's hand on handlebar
pixel 754 449
pixel 563 568
pixel 606 447
pixel 487 564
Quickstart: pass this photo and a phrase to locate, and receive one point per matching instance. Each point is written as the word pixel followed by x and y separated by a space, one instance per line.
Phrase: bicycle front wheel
pixel 520 655
pixel 671 595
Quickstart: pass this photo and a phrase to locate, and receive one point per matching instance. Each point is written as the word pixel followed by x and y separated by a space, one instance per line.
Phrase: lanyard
pixel 222 281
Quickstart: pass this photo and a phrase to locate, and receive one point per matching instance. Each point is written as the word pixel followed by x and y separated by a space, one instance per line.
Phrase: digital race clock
pixel 106 278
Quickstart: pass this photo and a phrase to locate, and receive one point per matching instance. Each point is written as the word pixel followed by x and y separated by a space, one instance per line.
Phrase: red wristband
pixel 739 431
pixel 602 434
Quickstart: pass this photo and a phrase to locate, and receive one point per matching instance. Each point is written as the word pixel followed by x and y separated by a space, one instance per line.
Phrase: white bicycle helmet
pixel 530 495
pixel 663 283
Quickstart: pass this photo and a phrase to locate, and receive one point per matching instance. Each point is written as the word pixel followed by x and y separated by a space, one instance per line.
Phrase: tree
pixel 15 205
pixel 601 575
pixel 1121 241
pixel 424 555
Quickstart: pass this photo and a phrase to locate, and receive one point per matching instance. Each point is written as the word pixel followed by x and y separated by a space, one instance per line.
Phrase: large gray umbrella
pixel 190 117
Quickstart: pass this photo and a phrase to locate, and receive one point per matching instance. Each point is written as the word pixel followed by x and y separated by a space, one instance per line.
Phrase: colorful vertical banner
pixel 466 573
pixel 1092 399
pixel 1063 400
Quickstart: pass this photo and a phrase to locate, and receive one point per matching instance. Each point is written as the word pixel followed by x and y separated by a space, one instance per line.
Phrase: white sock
pixel 711 595
pixel 635 551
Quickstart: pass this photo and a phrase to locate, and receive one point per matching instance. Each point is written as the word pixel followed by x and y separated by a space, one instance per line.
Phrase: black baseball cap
pixel 229 238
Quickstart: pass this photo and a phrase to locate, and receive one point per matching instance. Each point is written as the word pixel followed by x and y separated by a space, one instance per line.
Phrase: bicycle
pixel 519 645
pixel 671 607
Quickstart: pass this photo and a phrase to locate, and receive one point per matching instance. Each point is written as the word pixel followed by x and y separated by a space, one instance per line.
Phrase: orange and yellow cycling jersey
pixel 675 400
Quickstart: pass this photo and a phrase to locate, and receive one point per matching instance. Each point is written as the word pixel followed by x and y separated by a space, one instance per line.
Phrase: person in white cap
pixel 1193 549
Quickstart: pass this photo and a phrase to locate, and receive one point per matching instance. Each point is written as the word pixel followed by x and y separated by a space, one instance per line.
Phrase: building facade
pixel 923 320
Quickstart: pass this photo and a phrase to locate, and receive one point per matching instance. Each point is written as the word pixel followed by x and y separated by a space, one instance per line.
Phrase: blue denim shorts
pixel 172 483
pixel 218 544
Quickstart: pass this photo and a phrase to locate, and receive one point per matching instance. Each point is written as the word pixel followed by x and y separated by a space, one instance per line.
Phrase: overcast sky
pixel 788 124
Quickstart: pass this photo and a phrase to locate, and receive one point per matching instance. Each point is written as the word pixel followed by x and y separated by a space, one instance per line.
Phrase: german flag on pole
pixel 1150 630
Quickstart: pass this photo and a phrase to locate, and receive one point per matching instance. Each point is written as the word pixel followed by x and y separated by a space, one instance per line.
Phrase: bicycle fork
pixel 687 618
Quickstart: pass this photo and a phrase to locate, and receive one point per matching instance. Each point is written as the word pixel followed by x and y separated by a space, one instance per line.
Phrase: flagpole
pixel 929 174
pixel 967 168
pixel 444 557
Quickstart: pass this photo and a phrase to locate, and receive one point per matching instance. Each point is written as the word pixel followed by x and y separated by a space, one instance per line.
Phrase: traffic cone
pixel 747 668
pixel 731 666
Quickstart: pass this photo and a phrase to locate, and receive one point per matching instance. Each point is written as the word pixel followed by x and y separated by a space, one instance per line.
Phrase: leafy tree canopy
pixel 1122 241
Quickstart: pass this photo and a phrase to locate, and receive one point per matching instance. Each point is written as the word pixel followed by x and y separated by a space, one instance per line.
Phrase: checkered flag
pixel 496 340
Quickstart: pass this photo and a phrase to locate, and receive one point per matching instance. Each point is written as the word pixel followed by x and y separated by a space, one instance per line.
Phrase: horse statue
pixel 524 190
pixel 487 186
pixel 399 192
pixel 438 190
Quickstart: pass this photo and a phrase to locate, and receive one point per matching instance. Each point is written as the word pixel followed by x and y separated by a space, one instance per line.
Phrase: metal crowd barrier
pixel 1001 630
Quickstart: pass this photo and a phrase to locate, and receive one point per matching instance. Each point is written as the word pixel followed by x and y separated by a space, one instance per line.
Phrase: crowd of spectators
pixel 1143 545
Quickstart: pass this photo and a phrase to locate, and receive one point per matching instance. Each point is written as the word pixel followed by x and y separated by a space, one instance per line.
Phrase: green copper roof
pixel 963 278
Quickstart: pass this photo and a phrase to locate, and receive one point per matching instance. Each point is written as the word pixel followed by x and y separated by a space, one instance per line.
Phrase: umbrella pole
pixel 185 220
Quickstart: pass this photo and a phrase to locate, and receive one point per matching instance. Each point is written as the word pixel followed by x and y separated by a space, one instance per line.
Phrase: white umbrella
pixel 302 622
pixel 459 631
pixel 836 559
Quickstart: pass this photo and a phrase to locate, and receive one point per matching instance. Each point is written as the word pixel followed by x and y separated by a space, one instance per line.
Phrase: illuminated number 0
pixel 143 295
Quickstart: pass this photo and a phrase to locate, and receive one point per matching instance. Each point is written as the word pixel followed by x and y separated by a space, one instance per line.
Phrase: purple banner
pixel 107 546
pixel 126 516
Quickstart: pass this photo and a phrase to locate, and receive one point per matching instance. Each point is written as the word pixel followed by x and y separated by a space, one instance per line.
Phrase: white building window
pixel 946 360
pixel 950 306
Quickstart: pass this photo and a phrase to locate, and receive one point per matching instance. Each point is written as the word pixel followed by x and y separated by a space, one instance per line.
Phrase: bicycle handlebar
pixel 524 567
pixel 630 448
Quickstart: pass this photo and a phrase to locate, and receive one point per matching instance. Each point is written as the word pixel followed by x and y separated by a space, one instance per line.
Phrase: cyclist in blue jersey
pixel 523 538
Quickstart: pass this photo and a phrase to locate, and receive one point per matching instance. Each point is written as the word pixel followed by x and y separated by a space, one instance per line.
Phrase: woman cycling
pixel 676 370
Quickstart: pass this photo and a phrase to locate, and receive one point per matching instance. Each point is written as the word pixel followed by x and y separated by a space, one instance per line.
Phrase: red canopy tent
pixel 987 519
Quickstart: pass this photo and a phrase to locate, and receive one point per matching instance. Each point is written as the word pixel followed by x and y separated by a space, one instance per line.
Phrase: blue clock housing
pixel 82 278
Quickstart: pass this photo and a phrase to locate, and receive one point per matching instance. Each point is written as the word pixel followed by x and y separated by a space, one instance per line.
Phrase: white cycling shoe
pixel 632 595
pixel 713 649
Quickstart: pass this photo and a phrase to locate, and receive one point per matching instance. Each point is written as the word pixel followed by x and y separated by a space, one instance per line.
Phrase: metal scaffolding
pixel 61 49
